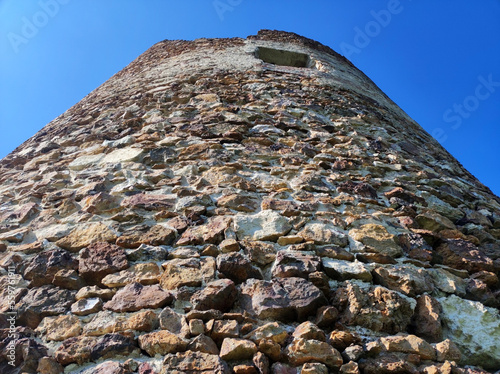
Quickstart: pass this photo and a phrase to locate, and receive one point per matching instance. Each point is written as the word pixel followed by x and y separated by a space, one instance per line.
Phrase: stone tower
pixel 244 205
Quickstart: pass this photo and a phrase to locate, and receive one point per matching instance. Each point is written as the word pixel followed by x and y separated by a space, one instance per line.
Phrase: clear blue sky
pixel 438 60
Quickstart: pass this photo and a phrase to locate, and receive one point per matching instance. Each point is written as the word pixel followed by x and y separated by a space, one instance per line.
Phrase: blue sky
pixel 438 60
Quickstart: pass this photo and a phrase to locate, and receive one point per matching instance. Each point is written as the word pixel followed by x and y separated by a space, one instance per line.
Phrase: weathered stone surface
pixel 144 273
pixel 127 154
pixel 361 189
pixel 94 291
pixel 14 236
pixel 433 221
pixel 271 330
pixel 447 350
pixel 229 245
pixel 222 329
pixel 387 363
pixel 271 349
pixel 244 369
pixel 23 356
pixel 187 272
pixel 12 289
pixel 303 350
pixel 85 235
pixel 113 345
pixel 262 253
pixel 281 299
pixel 69 279
pixel 474 328
pixel 237 349
pixel 266 225
pixel 141 321
pixel 326 316
pixel 237 267
pixel 43 267
pixel 174 322
pixel 135 296
pixel 314 368
pixel 416 247
pixel 100 259
pixel 161 342
pixel 156 235
pixel 344 270
pixel 238 202
pixel 279 368
pixel 374 307
pixel 77 350
pixel 409 344
pixel 21 214
pixel 261 362
pixel 461 254
pixel 295 264
pixel 340 340
pixel 43 302
pixel 148 253
pixel 103 322
pixel 308 330
pixel 48 365
pixel 350 368
pixel 60 328
pixel 195 363
pixel 109 367
pixel 377 239
pixel 406 279
pixel 84 307
pixel 149 202
pixel 204 344
pixel 321 233
pixel 353 353
pixel 99 203
pixel 220 294
pixel 210 233
pixel 426 321
pixel 196 327
pixel 448 282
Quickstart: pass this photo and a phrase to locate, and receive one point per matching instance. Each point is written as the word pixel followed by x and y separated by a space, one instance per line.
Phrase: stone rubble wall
pixel 204 211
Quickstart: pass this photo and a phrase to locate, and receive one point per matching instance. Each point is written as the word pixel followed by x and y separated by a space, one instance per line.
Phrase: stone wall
pixel 205 211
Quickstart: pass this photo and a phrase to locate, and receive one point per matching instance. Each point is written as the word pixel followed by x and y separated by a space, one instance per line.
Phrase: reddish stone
pixel 237 267
pixel 210 233
pixel 135 296
pixel 461 254
pixel 220 295
pixel 100 259
pixel 295 264
pixel 42 302
pixel 282 299
pixel 42 269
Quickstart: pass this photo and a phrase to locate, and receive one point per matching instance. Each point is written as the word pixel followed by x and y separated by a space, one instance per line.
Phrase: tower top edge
pixel 179 46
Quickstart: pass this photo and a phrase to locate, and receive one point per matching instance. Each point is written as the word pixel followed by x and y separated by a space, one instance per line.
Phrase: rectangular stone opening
pixel 283 58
